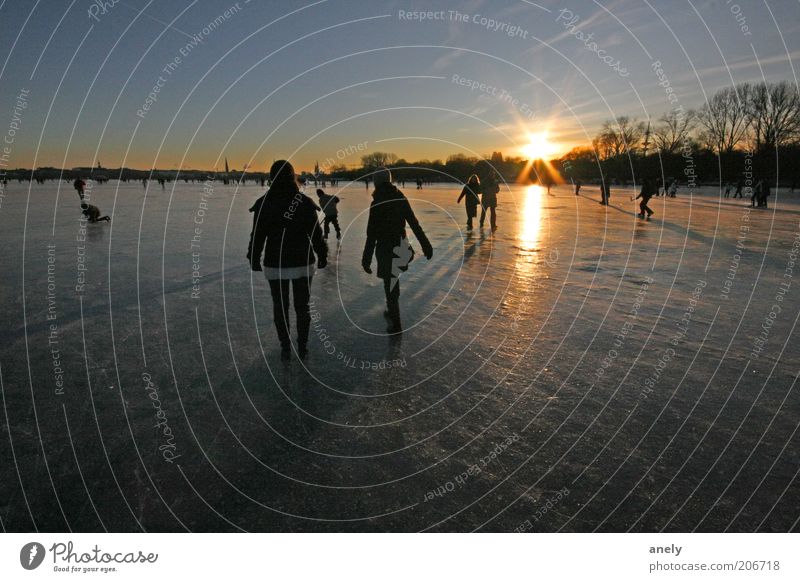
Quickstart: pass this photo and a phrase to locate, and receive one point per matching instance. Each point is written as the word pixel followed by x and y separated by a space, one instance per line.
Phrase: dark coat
pixel 647 192
pixel 490 190
pixel 286 230
pixel 470 194
pixel 388 215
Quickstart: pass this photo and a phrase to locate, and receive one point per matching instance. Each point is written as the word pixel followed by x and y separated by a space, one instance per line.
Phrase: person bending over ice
pixel 92 213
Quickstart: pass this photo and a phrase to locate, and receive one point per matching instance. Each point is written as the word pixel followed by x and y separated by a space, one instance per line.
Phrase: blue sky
pixel 309 79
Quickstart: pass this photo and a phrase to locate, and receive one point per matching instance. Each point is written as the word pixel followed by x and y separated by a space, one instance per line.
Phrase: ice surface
pixel 542 383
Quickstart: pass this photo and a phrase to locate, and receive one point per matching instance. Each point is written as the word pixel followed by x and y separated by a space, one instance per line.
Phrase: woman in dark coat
pixel 386 239
pixel 470 193
pixel 286 230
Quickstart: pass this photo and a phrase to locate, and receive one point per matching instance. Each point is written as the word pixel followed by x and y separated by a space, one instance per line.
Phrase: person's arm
pixel 463 193
pixel 369 244
pixel 412 221
pixel 258 236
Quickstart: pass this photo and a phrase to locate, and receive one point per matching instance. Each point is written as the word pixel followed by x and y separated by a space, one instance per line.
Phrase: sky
pixel 187 84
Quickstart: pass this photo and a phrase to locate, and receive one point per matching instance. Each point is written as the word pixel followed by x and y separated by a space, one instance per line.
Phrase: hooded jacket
pixel 285 230
pixel 389 213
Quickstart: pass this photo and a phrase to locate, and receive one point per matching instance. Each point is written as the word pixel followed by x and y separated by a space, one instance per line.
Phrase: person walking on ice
pixel 389 213
pixel 470 193
pixel 286 231
pixel 489 201
pixel 605 190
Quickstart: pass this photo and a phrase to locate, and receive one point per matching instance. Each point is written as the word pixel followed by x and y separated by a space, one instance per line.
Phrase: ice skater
pixel 330 210
pixel 489 201
pixel 286 231
pixel 577 187
pixel 727 189
pixel 389 213
pixel 645 194
pixel 92 213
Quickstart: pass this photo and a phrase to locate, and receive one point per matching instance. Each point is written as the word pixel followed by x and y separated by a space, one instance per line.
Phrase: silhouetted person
pixel 763 194
pixel 756 194
pixel 92 213
pixel 577 187
pixel 645 194
pixel 739 187
pixel 605 191
pixel 470 193
pixel 389 213
pixel 80 187
pixel 330 210
pixel 727 189
pixel 673 189
pixel 419 183
pixel 286 231
pixel 489 201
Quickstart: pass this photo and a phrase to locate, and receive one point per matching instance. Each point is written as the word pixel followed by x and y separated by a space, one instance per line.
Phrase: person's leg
pixel 483 215
pixel 493 218
pixel 280 312
pixel 391 288
pixel 301 289
pixel 326 226
pixel 469 220
pixel 649 210
pixel 642 206
pixel 335 221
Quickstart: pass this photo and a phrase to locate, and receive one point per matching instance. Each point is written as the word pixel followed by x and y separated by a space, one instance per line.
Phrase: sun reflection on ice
pixel 530 232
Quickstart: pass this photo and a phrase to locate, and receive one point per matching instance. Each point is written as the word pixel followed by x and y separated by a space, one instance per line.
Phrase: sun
pixel 538 147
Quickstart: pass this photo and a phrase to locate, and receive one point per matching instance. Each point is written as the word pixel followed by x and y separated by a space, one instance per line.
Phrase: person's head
pixel 84 206
pixel 382 176
pixel 473 179
pixel 320 192
pixel 282 175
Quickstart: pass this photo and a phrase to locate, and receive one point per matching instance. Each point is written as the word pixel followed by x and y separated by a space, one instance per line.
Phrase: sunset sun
pixel 538 147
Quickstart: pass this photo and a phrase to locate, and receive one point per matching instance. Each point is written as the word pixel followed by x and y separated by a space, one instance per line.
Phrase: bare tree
pixel 774 115
pixel 618 136
pixel 377 159
pixel 673 130
pixel 603 146
pixel 724 118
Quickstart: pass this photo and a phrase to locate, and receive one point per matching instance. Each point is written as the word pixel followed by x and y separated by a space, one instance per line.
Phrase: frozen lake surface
pixel 579 370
